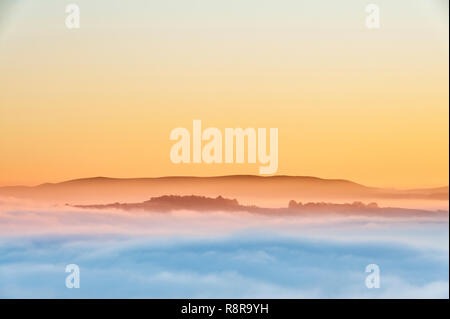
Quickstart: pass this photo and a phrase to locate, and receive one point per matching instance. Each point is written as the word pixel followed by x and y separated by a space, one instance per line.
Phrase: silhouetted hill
pixel 272 190
pixel 170 203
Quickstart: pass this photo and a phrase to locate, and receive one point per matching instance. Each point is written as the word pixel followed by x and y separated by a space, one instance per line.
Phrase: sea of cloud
pixel 199 255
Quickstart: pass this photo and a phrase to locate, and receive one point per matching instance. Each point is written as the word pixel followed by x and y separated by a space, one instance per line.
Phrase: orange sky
pixel 365 105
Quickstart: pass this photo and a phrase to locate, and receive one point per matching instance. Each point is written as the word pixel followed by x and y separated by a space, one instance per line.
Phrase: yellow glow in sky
pixel 365 105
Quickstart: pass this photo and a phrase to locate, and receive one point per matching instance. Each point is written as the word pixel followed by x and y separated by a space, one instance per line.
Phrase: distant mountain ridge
pixel 246 188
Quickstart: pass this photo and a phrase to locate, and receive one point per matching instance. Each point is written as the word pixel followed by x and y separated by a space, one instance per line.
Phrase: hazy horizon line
pixel 224 176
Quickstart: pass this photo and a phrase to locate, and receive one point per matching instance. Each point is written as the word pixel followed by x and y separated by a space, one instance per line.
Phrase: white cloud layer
pixel 195 255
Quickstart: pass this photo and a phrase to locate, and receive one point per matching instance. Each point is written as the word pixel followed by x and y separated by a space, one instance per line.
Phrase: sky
pixel 365 105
